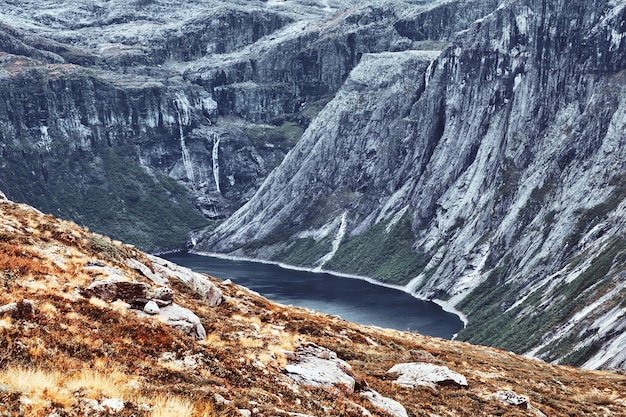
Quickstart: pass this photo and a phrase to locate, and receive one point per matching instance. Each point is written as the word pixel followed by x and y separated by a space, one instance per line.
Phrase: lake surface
pixel 351 299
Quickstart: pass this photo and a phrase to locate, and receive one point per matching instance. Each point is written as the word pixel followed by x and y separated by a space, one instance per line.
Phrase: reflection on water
pixel 352 299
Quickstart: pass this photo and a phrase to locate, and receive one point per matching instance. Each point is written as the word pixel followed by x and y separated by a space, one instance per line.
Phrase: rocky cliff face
pixel 494 181
pixel 127 117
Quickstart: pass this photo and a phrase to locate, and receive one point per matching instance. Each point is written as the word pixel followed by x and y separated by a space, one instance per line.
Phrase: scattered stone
pixel 95 262
pixel 151 308
pixel 245 413
pixel 318 366
pixel 416 374
pixel 8 308
pixel 227 282
pixel 221 400
pixel 387 404
pixel 163 296
pixel 132 292
pixel 511 398
pixel 4 389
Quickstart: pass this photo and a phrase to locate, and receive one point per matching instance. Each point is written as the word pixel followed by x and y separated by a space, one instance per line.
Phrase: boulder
pixel 151 308
pixel 511 398
pixel 162 296
pixel 146 272
pixel 387 404
pixel 131 292
pixel 182 319
pixel 416 374
pixel 317 366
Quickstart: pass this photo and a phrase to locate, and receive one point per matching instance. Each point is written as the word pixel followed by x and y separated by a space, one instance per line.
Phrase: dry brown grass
pixel 74 348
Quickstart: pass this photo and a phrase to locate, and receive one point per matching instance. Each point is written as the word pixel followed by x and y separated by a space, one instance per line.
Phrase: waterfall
pixel 336 241
pixel 181 103
pixel 216 161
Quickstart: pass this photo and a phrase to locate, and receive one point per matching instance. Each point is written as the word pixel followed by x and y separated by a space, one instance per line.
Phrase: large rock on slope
pixel 504 157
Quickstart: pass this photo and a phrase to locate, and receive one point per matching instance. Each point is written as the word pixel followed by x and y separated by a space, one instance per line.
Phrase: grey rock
pixel 318 366
pixel 133 293
pixel 151 308
pixel 182 319
pixel 389 405
pixel 8 308
pixel 162 295
pixel 417 374
pixel 511 398
pixel 208 291
pixel 146 271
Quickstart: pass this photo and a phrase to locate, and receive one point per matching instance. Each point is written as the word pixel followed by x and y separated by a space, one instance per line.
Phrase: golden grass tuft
pixel 95 383
pixel 171 406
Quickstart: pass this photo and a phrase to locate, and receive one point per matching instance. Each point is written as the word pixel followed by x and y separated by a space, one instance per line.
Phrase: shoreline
pixel 445 306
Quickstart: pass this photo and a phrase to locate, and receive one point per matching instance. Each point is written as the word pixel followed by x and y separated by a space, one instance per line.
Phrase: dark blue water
pixel 352 299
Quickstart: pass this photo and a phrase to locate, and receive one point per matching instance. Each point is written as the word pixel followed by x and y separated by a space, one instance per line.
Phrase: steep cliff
pixel 494 182
pixel 128 117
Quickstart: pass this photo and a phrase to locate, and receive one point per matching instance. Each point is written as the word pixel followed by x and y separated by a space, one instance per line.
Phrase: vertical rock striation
pixel 503 155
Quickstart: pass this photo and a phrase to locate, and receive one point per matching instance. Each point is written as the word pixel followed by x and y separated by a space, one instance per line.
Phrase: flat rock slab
pixel 318 366
pixel 417 374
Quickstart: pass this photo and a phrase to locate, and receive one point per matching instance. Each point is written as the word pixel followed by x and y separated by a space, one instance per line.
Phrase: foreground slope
pixel 73 341
pixel 491 177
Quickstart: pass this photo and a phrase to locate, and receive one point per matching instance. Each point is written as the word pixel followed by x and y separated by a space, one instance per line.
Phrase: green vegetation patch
pixel 387 256
pixel 305 252
pixel 518 331
pixel 109 193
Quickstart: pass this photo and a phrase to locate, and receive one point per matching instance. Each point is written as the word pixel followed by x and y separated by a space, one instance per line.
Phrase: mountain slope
pixel 200 100
pixel 75 341
pixel 504 159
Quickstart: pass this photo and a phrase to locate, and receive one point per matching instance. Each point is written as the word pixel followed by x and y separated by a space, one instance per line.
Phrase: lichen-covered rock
pixel 318 366
pixel 417 374
pixel 389 405
pixel 184 320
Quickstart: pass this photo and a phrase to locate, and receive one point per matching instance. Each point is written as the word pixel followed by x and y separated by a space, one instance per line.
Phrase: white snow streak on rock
pixel 336 241
pixel 216 161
